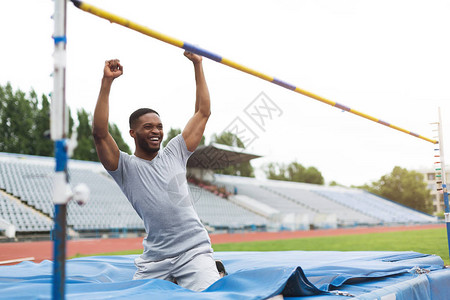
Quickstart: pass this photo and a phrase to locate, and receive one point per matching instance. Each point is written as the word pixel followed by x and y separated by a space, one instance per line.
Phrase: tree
pixel 16 121
pixel 242 169
pixel 405 187
pixel 173 132
pixel 275 171
pixel 43 145
pixel 293 172
pixel 25 126
pixel 71 123
pixel 335 183
pixel 85 149
pixel 117 136
pixel 313 176
pixel 229 139
pixel 24 123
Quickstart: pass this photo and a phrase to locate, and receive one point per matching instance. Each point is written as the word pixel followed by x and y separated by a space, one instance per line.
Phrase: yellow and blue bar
pixel 205 53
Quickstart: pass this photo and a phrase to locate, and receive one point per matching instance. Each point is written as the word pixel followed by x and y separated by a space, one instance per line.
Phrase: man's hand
pixel 193 132
pixel 193 57
pixel 107 149
pixel 113 69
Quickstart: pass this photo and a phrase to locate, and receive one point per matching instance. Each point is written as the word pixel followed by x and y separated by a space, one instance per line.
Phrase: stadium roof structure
pixel 218 156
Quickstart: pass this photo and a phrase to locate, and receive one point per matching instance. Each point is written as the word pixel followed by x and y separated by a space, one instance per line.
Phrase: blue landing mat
pixel 252 275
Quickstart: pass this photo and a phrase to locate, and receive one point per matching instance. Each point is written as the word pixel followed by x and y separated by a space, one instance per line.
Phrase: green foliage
pixel 242 169
pixel 229 139
pixel 85 149
pixel 71 123
pixel 25 126
pixel 293 172
pixel 43 147
pixel 117 136
pixel 173 132
pixel 335 183
pixel 440 215
pixel 24 123
pixel 405 187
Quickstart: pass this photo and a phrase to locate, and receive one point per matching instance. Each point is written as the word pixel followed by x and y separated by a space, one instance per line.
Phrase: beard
pixel 142 142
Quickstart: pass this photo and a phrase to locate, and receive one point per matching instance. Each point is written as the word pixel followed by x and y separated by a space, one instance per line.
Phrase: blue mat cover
pixel 252 275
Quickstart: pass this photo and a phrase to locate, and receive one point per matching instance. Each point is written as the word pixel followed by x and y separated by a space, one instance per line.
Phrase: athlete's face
pixel 148 133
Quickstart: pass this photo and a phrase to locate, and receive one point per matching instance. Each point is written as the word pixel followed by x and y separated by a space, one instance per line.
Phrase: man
pixel 177 247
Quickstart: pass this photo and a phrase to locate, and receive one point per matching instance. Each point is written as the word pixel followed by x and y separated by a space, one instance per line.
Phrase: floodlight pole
pixel 444 179
pixel 58 130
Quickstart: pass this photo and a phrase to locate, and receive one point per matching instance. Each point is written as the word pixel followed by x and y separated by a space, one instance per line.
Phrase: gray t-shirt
pixel 159 193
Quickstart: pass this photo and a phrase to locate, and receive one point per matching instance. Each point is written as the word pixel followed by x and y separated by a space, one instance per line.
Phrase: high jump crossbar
pixel 194 49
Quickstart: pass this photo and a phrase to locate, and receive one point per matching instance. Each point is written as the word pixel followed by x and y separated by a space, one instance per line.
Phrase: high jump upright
pixel 443 178
pixel 59 123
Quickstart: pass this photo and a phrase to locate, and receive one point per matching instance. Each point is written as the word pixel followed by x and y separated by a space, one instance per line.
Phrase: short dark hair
pixel 139 112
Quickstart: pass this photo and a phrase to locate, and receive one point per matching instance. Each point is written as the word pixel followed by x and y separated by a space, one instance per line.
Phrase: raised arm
pixel 107 149
pixel 194 129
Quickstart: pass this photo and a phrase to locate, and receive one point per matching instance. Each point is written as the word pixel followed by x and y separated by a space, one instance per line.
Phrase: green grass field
pixel 429 241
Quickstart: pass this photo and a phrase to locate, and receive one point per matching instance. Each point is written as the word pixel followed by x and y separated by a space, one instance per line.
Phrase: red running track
pixel 43 250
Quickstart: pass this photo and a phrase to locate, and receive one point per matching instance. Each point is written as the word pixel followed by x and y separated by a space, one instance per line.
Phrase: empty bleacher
pixel 352 207
pixel 346 215
pixel 218 212
pixel 26 184
pixel 22 217
pixel 384 210
pixel 107 208
pixel 29 180
pixel 254 189
pixel 293 214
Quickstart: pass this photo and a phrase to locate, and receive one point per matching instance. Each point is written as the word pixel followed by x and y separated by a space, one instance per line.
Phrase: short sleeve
pixel 118 174
pixel 177 146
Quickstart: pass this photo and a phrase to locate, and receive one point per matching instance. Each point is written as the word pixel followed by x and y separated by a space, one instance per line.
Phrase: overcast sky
pixel 389 59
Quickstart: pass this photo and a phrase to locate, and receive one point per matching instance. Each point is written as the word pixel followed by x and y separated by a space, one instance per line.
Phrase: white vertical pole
pixel 59 116
pixel 441 149
pixel 444 179
pixel 58 131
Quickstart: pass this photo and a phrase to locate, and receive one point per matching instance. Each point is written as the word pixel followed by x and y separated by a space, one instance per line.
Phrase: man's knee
pixel 199 273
